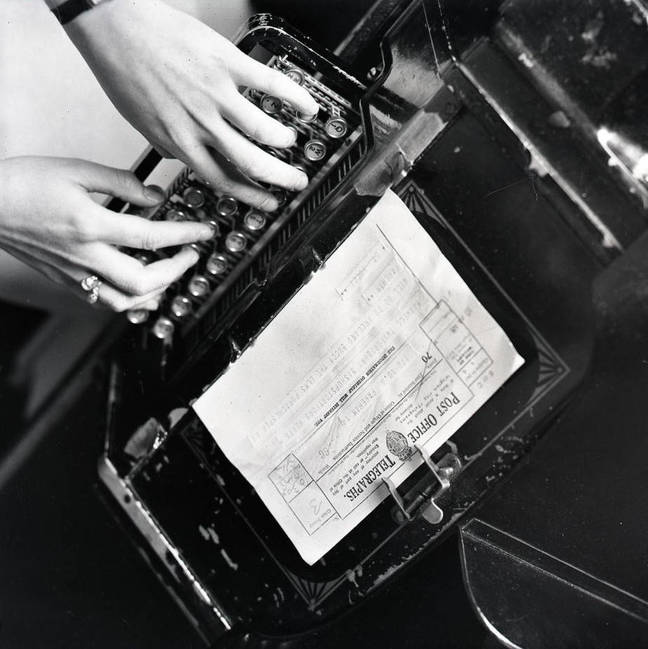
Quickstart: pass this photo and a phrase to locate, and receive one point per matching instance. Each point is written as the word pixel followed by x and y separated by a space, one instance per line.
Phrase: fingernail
pixel 154 193
pixel 192 254
pixel 302 183
pixel 209 232
pixel 291 136
pixel 309 115
pixel 269 204
pixel 306 118
pixel 152 305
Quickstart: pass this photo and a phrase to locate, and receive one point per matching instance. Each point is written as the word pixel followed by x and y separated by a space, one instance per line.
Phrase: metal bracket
pixel 424 501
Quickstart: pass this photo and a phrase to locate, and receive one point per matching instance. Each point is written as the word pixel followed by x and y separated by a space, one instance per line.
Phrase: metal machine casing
pixel 498 196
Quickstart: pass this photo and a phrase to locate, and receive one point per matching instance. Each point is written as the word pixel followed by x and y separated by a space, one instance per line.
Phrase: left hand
pixel 176 81
pixel 49 221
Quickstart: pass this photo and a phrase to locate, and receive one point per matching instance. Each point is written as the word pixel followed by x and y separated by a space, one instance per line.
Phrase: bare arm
pixel 177 82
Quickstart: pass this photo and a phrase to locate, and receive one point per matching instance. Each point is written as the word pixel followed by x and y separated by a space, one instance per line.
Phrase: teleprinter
pixel 510 131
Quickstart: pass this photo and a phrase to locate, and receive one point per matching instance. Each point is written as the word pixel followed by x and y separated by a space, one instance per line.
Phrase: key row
pixel 335 127
pixel 235 230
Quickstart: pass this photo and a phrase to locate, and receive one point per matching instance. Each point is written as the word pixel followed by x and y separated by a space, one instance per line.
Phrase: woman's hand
pixel 176 81
pixel 49 221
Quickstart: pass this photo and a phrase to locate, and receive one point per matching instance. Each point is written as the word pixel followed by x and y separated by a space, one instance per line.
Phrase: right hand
pixel 49 221
pixel 177 82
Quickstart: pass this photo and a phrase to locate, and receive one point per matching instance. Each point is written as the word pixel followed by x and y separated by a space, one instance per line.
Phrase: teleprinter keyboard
pixel 245 239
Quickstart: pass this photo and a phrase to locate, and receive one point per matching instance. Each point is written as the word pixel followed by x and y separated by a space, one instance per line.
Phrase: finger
pixel 134 278
pixel 71 276
pixel 120 183
pixel 162 152
pixel 137 232
pixel 118 301
pixel 257 75
pixel 149 305
pixel 226 179
pixel 107 295
pixel 255 123
pixel 254 162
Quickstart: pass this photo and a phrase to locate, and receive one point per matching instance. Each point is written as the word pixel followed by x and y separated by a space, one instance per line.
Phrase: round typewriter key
pixel 336 127
pixel 163 328
pixel 177 214
pixel 200 248
pixel 137 316
pixel 280 195
pixel 198 286
pixel 306 118
pixel 278 153
pixel 216 264
pixel 180 306
pixel 194 197
pixel 235 241
pixel 202 215
pixel 143 258
pixel 227 206
pixel 314 150
pixel 300 167
pixel 254 221
pixel 295 75
pixel 271 105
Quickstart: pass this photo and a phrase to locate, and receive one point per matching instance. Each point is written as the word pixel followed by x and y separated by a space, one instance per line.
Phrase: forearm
pixel 176 81
pixel 92 12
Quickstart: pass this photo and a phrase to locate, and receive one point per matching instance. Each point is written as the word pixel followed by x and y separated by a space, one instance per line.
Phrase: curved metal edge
pixel 264 27
pixel 144 521
pixel 481 616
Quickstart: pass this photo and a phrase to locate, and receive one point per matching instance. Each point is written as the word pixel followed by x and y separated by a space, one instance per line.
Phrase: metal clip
pixel 393 491
pixel 424 501
pixel 431 512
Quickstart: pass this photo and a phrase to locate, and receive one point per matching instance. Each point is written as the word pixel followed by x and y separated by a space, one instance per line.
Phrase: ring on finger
pixel 93 295
pixel 89 283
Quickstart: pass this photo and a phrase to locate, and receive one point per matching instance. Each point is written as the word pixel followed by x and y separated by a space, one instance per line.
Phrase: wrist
pixel 108 15
pixel 89 25
pixel 76 13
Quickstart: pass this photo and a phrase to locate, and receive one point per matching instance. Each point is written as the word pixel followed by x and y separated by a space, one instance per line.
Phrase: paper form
pixel 384 348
